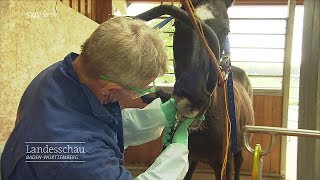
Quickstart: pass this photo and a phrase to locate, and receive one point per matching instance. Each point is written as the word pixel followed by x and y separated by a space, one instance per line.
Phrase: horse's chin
pixel 184 107
pixel 185 110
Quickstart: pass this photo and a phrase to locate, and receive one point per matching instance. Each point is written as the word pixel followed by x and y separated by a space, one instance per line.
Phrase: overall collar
pixel 99 110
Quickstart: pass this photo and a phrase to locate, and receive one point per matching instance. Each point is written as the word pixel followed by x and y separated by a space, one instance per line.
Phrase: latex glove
pixel 181 134
pixel 169 110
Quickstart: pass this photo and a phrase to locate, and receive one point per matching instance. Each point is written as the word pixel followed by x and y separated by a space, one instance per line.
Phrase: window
pixel 257 41
pixel 136 8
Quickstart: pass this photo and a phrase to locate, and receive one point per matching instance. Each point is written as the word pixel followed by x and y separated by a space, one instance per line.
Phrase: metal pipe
pixel 282 131
pixel 274 131
pixel 271 144
pixel 247 143
pixel 263 153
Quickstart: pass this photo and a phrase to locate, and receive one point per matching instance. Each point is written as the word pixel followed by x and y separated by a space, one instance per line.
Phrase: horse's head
pixel 194 71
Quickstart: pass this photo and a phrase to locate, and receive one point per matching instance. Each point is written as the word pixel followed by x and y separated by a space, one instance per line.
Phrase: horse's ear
pixel 229 3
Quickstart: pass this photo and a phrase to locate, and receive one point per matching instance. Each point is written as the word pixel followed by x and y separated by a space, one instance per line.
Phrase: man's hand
pixel 181 134
pixel 169 110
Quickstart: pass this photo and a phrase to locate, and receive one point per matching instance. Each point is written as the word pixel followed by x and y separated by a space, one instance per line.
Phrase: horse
pixel 195 90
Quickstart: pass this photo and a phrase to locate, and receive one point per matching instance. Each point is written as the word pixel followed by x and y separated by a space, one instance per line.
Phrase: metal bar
pixel 282 131
pixel 263 153
pixel 274 131
pixel 271 144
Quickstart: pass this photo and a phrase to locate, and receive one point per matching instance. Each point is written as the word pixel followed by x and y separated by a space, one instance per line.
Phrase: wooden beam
pixel 88 8
pixel 82 6
pixel 309 95
pixel 74 5
pixel 103 10
pixel 93 10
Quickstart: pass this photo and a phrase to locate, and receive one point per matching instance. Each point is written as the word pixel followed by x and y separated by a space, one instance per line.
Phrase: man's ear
pixel 229 2
pixel 110 87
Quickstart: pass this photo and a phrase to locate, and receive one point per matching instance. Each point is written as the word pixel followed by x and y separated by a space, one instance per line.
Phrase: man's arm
pixel 171 164
pixel 143 125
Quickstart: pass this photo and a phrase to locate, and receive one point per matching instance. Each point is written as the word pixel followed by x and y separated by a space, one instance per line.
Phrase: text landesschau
pixel 54 149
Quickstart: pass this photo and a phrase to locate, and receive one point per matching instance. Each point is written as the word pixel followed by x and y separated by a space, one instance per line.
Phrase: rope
pixel 228 133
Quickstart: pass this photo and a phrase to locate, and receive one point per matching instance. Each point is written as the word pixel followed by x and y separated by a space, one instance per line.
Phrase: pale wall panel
pixel 33 35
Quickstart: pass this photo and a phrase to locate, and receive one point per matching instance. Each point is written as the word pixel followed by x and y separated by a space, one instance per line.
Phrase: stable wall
pixel 33 35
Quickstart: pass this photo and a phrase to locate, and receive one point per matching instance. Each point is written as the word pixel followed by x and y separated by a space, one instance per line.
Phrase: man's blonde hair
pixel 126 50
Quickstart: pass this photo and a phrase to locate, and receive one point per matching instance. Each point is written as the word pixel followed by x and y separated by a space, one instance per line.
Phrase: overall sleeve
pixel 171 164
pixel 143 125
pixel 100 164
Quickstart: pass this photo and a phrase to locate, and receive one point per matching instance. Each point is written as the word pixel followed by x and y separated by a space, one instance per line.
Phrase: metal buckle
pixel 225 68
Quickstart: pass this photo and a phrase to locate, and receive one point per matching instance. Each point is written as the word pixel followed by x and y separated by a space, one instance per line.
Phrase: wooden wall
pixel 268 112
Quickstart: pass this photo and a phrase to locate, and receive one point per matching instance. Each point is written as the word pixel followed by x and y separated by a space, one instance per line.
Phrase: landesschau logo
pixel 54 151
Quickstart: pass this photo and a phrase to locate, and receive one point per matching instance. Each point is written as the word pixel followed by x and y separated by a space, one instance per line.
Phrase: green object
pixel 137 92
pixel 181 134
pixel 169 110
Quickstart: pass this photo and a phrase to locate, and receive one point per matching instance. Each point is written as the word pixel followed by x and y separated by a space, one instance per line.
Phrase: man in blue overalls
pixel 69 122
